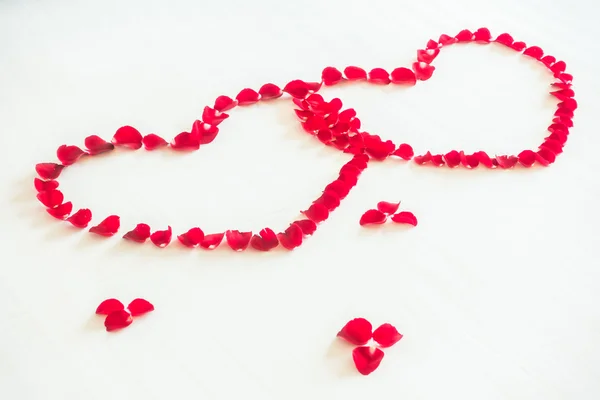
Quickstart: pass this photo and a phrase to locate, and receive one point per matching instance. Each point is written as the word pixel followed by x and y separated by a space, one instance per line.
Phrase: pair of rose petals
pixel 117 317
pixel 383 211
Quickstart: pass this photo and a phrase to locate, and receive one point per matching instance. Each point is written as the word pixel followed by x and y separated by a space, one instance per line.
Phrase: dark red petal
pixel 68 155
pixel 191 238
pixel 505 39
pixel 518 46
pixel 186 141
pixel 292 237
pixel 139 234
pixel 403 76
pixel 404 151
pixel 51 198
pixel 265 240
pixel 446 40
pixel 224 103
pixel 44 186
pixel 464 36
pixel 162 238
pixel 355 73
pixel 139 307
pixel 534 52
pixel 558 67
pixel 297 89
pixel 153 142
pixel 247 96
pixel 427 56
pixel 212 241
pixel 49 171
pixel 81 218
pixel 237 240
pixel 452 158
pixel 386 335
pixel 62 211
pixel 388 208
pixel 372 217
pixel 357 331
pixel 423 71
pixel 128 136
pixel 482 35
pixel 205 133
pixel 545 156
pixel 340 187
pixel 526 158
pixel 317 213
pixel 109 306
pixel 367 359
pixel 307 226
pixel 379 75
pixel 117 320
pixel 108 227
pixel 507 162
pixel 405 217
pixel 330 76
pixel 96 145
pixel 329 199
pixel 270 91
pixel 213 117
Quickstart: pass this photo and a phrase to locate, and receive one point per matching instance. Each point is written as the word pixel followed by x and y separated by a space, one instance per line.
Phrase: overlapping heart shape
pixel 329 123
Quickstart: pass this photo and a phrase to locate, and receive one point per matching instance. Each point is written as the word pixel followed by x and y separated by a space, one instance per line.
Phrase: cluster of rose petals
pixel 119 317
pixel 368 354
pixel 331 124
pixel 385 209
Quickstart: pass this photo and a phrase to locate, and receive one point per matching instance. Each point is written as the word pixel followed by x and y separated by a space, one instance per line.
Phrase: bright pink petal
pixel 507 162
pixel 68 155
pixel 213 117
pixel 372 217
pixel 212 241
pixel 452 158
pixel 192 237
pixel 357 331
pixel 355 73
pixel 386 335
pixel 128 136
pixel 518 46
pixel 117 320
pixel 162 238
pixel 405 217
pixel 388 208
pixel 558 67
pixel 505 39
pixel 237 240
pixel 186 141
pixel 526 158
pixel 307 226
pixel 379 75
pixel 203 132
pixel 292 237
pixel 224 103
pixel 482 35
pixel 96 145
pixel 534 52
pixel 428 55
pixel 265 240
pixel 403 76
pixel 108 227
pixel 153 142
pixel 423 71
pixel 270 91
pixel 247 96
pixel 139 234
pixel 81 218
pixel 404 151
pixel 464 36
pixel 109 306
pixel 139 307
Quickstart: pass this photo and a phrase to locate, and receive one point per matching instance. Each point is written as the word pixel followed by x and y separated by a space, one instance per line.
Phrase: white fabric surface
pixel 496 290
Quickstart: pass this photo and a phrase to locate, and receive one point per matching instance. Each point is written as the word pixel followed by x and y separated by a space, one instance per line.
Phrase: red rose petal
pixel 186 141
pixel 330 199
pixel 559 136
pixel 117 320
pixel 68 155
pixel 109 306
pixel 128 136
pixel 265 240
pixel 292 237
pixel 81 218
pixel 140 306
pixel 162 238
pixel 403 76
pixel 554 146
pixel 446 40
pixel 313 86
pixel 405 217
pixel 191 238
pixel 367 359
pixel 526 158
pixel 484 159
pixel 427 56
pixel 62 211
pixel 437 160
pixel 565 77
pixel 96 145
pixel 307 226
pixel 404 151
pixel 48 171
pixel 355 73
pixel 44 186
pixel 386 335
pixel 212 241
pixel 340 187
pixel 482 35
pixel 464 36
pixel 379 75
pixel 108 227
pixel 469 160
pixel 558 67
pixel 317 213
pixel 153 142
pixel 205 133
pixel 507 162
pixel 297 89
pixel 139 234
pixel 349 179
pixel 505 39
pixel 424 159
pixel 213 117
pixel 545 156
pixel 388 208
pixel 548 60
pixel 270 91
pixel 247 96
pixel 423 71
pixel 534 52
pixel 330 76
pixel 224 103
pixel 357 331
pixel 452 158
pixel 372 217
pixel 518 46
pixel 432 44
pixel 237 240
pixel 51 198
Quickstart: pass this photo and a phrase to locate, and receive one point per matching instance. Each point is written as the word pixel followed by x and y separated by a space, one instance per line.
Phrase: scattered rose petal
pixel 505 39
pixel 518 46
pixel 270 91
pixel 452 158
pixel 355 73
pixel 96 145
pixel 292 237
pixel 386 335
pixel 109 306
pixel 247 96
pixel 423 71
pixel 44 186
pixel 427 56
pixel 330 199
pixel 330 76
pixel 506 162
pixel 224 103
pixel 317 213
pixel 62 211
pixel 469 160
pixel 108 227
pixel 367 359
pixel 186 141
pixel 357 331
pixel 68 155
pixel 237 240
pixel 340 187
pixel 554 146
pixel 51 198
pixel 464 36
pixel 307 226
pixel 526 158
pixel 81 218
pixel 446 40
pixel 213 117
pixel 548 60
pixel 153 142
pixel 558 67
pixel 128 136
pixel 405 217
pixel 484 159
pixel 403 76
pixel 379 75
pixel 49 171
pixel 117 320
pixel 297 89
pixel 545 156
pixel 534 52
pixel 404 151
pixel 192 237
pixel 139 234
pixel 205 133
pixel 388 208
pixel 424 159
pixel 482 35
pixel 372 217
pixel 212 241
pixel 432 44
pixel 162 238
pixel 139 307
pixel 265 240
pixel 437 160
